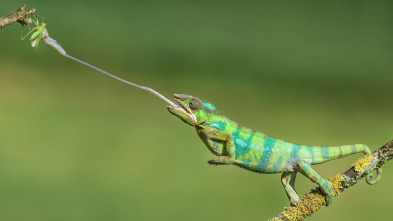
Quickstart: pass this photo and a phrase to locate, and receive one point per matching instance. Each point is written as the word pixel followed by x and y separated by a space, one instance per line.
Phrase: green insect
pixel 37 33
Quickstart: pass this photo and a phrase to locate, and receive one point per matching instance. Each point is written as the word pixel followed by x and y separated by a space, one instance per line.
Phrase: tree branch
pixel 314 200
pixel 19 15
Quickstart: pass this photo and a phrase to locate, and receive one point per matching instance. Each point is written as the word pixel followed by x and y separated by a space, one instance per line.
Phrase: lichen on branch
pixel 19 15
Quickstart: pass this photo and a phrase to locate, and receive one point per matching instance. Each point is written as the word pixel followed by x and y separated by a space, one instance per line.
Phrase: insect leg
pixel 31 31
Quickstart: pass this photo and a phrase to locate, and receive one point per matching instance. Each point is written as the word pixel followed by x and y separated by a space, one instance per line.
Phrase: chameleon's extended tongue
pixel 52 42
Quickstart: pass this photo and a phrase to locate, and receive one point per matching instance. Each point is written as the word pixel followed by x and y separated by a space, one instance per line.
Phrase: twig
pixel 19 15
pixel 313 201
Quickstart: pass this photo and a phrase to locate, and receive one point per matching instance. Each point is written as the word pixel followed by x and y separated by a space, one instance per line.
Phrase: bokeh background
pixel 77 145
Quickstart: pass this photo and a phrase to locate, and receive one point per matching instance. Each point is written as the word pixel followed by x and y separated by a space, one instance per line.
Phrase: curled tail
pixel 370 179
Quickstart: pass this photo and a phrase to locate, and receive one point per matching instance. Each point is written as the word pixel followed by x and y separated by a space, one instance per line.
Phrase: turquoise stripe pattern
pixel 325 153
pixel 242 146
pixel 295 151
pixel 219 125
pixel 267 153
pixel 311 153
pixel 276 165
pixel 246 163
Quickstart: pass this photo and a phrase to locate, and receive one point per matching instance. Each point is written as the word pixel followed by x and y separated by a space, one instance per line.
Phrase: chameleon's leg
pixel 325 186
pixel 288 181
pixel 229 147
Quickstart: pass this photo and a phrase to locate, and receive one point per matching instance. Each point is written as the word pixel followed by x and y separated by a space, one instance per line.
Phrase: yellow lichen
pixel 308 204
pixel 362 163
pixel 337 182
pixel 311 202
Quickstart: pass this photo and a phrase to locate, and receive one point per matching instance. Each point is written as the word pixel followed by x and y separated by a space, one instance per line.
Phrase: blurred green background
pixel 77 145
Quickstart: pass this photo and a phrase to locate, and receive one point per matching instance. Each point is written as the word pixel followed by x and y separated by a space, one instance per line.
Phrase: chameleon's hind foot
pixel 325 186
pixel 294 202
pixel 327 189
pixel 329 200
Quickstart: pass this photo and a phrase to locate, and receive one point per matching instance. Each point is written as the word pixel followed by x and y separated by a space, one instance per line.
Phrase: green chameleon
pixel 257 152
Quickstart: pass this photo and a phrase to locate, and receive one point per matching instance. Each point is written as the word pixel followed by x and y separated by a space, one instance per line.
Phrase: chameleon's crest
pixel 209 107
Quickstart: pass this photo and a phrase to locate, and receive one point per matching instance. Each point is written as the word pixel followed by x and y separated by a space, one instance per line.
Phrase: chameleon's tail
pixel 323 154
pixel 331 153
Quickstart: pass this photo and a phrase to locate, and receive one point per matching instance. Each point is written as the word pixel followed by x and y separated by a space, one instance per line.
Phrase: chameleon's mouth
pixel 183 108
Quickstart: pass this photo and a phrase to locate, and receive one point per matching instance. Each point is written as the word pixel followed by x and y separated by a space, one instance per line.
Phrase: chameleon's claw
pixel 328 191
pixel 329 200
pixel 221 160
pixel 211 162
pixel 294 203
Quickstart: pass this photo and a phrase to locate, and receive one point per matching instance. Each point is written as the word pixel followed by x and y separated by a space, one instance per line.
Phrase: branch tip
pixel 20 15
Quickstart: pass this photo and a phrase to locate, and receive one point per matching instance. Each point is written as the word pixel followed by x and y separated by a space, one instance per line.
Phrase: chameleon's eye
pixel 195 104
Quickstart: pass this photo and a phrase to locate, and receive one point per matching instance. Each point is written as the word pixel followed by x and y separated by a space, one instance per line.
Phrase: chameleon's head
pixel 191 110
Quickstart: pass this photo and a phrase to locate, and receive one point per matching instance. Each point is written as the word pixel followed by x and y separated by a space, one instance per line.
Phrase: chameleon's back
pixel 261 153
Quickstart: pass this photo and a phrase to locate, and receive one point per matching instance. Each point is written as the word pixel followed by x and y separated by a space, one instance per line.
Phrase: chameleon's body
pixel 257 152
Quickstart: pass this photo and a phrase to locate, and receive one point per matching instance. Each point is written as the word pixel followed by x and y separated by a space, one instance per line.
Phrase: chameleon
pixel 255 151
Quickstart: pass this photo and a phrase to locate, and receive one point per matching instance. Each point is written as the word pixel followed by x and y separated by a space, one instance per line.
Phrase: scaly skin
pixel 258 152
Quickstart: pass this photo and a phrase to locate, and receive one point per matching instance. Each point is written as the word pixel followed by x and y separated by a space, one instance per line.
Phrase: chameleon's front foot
pixel 327 189
pixel 222 160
